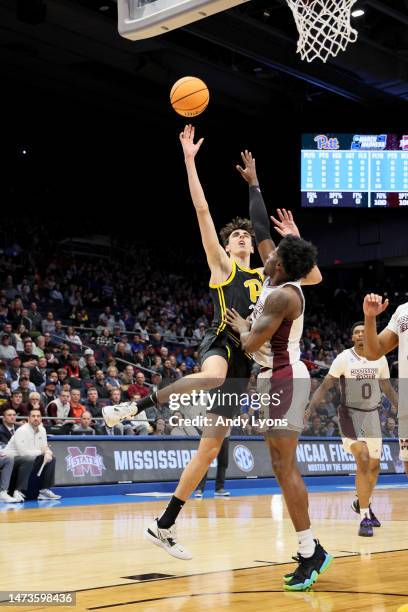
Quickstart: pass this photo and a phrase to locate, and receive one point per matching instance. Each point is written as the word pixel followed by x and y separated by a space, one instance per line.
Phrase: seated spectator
pixel 28 358
pixel 5 392
pixel 83 428
pixel 138 387
pixel 105 340
pixel 122 356
pixel 20 335
pixel 156 382
pixel 127 347
pixel 169 374
pixel 72 368
pixel 52 379
pixel 100 385
pixel 72 336
pixel 24 386
pixel 101 429
pixel 58 335
pixel 34 402
pixel 48 324
pixel 90 369
pixel 199 332
pixel 7 351
pixel 39 348
pixel 127 378
pixel 77 409
pixel 390 430
pixel 316 429
pixel 8 426
pixel 112 378
pixel 137 343
pixel 185 357
pixel 91 404
pixel 35 317
pixel 159 428
pixel 30 450
pixel 87 353
pixel 38 374
pixel 332 429
pixel 64 357
pixel 60 408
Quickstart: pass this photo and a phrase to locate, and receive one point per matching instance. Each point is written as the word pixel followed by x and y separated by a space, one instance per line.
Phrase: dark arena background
pixel 105 299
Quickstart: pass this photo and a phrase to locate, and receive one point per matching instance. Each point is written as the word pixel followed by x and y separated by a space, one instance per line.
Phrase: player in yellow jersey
pixel 233 284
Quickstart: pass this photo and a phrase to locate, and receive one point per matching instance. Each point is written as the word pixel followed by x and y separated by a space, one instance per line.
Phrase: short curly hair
pixel 236 224
pixel 297 255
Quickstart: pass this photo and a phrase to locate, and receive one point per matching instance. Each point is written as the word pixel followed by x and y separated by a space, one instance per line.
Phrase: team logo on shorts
pixel 87 462
pixel 244 458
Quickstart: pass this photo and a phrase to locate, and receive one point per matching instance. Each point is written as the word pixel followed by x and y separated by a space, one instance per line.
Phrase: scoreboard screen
pixel 354 170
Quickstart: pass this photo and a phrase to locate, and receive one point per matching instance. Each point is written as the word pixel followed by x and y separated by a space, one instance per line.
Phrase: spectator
pixel 24 386
pixel 5 392
pixel 100 385
pixel 112 378
pixel 7 351
pixel 159 427
pixel 83 428
pixel 316 429
pixel 49 390
pixel 105 340
pixel 38 374
pixel 72 368
pixel 87 353
pixel 34 402
pixel 90 369
pixel 138 387
pixel 30 450
pixel 8 427
pixel 48 324
pixel 15 402
pixel 76 408
pixel 39 348
pixel 35 318
pixel 60 408
pixel 72 336
pixel 28 358
pixel 91 403
pixel 168 373
pixel 199 332
pixel 390 429
pixel 127 378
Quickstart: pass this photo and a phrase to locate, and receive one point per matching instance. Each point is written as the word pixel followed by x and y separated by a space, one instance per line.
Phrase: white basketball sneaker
pixel 113 415
pixel 166 539
pixel 5 497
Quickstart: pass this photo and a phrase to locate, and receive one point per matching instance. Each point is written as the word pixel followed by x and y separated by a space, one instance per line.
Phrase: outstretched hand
pixel 285 225
pixel 187 142
pixel 373 305
pixel 234 319
pixel 248 172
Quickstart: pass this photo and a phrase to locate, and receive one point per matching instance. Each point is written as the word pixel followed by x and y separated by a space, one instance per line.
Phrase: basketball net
pixel 324 27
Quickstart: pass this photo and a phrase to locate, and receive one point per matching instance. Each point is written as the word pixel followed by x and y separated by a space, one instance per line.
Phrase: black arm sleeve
pixel 258 215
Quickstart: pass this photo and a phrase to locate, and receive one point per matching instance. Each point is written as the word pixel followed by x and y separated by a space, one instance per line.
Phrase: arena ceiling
pixel 247 55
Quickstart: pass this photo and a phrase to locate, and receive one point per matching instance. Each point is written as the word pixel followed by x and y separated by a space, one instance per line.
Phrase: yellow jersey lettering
pixel 255 287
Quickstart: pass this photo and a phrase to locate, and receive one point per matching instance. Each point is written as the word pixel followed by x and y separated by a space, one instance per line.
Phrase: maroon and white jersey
pixel 284 347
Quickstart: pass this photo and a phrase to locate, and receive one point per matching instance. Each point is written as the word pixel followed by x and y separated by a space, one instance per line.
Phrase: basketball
pixel 189 96
pixel 403 608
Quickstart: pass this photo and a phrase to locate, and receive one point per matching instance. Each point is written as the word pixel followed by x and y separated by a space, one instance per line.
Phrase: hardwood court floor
pixel 241 546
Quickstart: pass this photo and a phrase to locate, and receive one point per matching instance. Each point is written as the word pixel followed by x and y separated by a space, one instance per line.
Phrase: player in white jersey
pixel 361 382
pixel 273 337
pixel 377 345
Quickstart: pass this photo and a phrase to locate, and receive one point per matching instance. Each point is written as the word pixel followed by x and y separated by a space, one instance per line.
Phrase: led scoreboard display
pixel 354 170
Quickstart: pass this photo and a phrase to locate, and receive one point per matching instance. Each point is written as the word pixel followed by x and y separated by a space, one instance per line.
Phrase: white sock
pixel 364 513
pixel 306 543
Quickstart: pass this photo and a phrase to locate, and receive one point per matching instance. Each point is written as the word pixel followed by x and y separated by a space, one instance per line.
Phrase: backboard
pixel 138 19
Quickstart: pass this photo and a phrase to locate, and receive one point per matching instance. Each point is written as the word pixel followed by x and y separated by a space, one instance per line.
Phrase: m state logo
pixel 87 462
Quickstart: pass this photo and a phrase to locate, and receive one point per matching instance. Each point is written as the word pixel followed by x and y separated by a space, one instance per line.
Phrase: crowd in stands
pixel 76 335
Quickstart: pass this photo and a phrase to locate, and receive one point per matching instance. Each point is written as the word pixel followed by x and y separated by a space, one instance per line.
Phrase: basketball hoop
pixel 324 27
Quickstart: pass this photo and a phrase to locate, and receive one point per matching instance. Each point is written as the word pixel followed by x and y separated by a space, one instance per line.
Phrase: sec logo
pixel 244 458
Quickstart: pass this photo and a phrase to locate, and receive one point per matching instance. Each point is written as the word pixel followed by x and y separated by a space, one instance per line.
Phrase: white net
pixel 324 27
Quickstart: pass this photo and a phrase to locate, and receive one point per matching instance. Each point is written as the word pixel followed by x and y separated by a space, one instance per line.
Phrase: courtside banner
pixel 102 459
